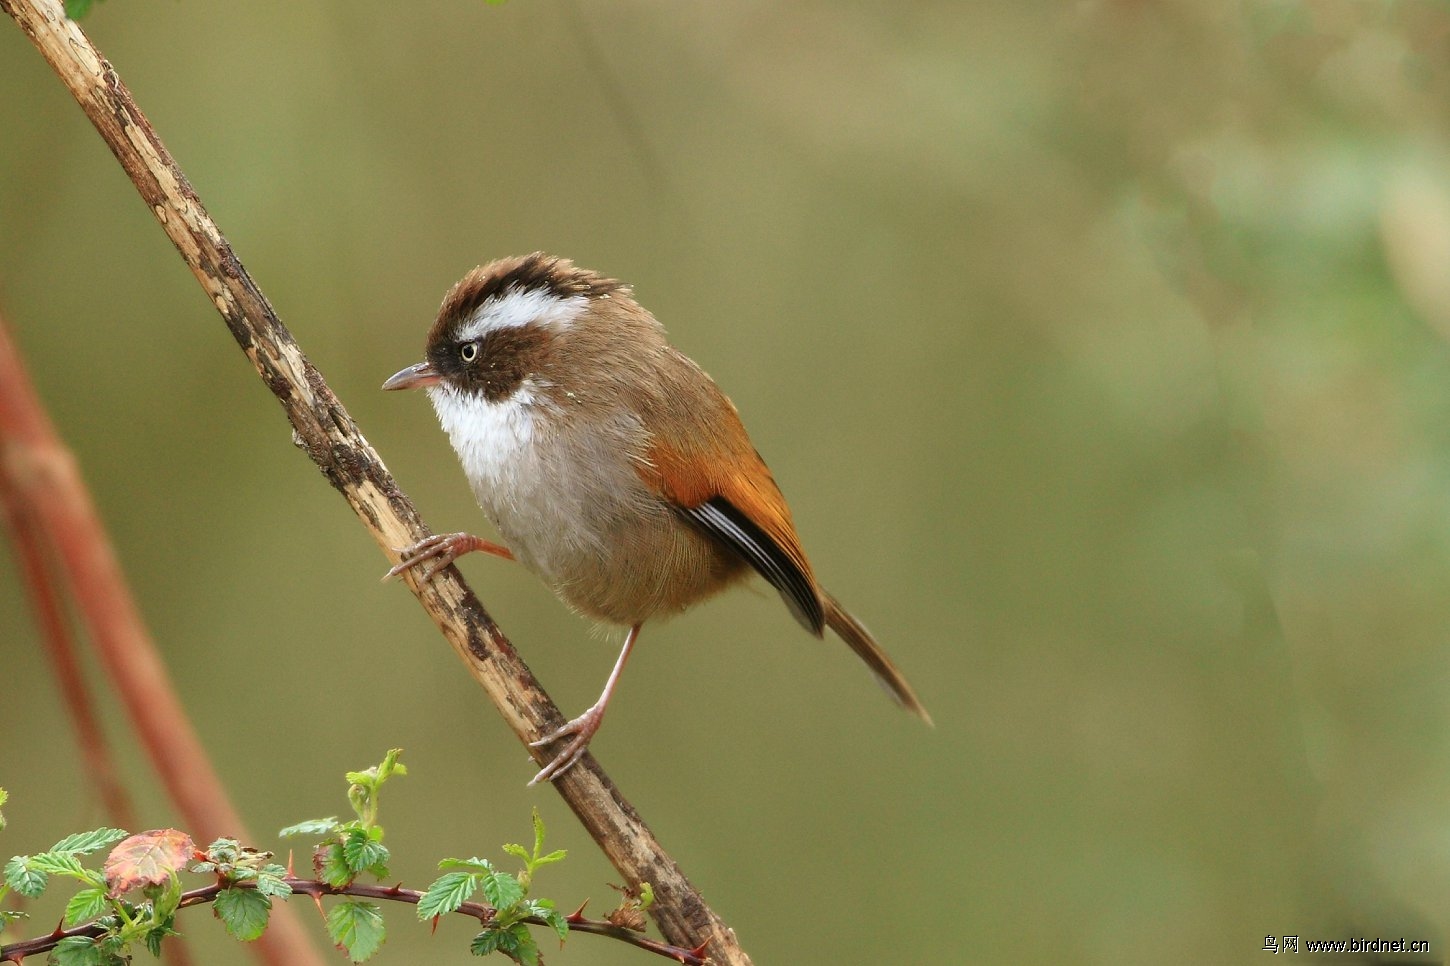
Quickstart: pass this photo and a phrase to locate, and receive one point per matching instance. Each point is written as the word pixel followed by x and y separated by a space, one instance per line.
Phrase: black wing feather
pixel 718 517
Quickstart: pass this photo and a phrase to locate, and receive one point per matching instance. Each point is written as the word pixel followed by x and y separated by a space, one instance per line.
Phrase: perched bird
pixel 612 466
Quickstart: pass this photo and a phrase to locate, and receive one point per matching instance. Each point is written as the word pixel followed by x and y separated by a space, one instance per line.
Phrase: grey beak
pixel 413 377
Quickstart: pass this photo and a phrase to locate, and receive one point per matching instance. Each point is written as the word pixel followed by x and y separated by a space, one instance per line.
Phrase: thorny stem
pixel 17 952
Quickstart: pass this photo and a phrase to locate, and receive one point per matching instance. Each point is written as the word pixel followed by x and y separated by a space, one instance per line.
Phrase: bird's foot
pixel 583 729
pixel 443 549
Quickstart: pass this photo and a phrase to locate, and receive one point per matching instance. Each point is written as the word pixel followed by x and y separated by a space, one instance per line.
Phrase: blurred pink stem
pixel 44 480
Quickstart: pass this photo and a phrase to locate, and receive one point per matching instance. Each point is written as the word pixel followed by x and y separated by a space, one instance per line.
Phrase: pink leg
pixel 446 548
pixel 584 726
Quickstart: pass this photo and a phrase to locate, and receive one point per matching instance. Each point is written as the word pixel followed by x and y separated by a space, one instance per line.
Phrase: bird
pixel 610 464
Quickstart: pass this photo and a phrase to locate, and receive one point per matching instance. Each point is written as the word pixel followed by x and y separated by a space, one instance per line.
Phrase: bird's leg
pixel 445 548
pixel 584 726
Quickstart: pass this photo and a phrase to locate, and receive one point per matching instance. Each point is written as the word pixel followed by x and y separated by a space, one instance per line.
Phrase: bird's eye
pixel 468 351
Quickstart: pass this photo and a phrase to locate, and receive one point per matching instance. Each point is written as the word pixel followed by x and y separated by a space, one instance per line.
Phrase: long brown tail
pixel 854 633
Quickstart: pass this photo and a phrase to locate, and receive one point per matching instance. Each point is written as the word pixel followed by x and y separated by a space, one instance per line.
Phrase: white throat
pixel 492 439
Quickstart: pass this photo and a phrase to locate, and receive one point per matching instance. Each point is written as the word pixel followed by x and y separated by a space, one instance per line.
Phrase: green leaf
pixel 558 855
pixel 446 894
pixel 86 904
pixel 165 900
pixel 76 9
pixel 538 832
pixel 486 941
pixel 271 884
pixel 519 851
pixel 57 863
pixel 502 890
pixel 545 910
pixel 80 951
pixel 19 876
pixel 472 865
pixel 243 911
pixel 154 937
pixel 314 826
pixel 391 766
pixel 519 943
pixel 364 852
pixel 332 867
pixel 84 843
pixel 357 928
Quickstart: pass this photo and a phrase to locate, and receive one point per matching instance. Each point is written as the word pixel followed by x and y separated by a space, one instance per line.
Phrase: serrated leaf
pixel 243 911
pixel 271 884
pixel 154 937
pixel 330 866
pixel 446 894
pixel 519 943
pixel 224 851
pixel 558 855
pixel 79 951
pixel 485 942
pixel 19 876
pixel 148 858
pixel 472 865
pixel 363 852
pixel 314 826
pixel 538 832
pixel 86 904
pixel 84 843
pixel 545 910
pixel 502 890
pixel 357 928
pixel 55 863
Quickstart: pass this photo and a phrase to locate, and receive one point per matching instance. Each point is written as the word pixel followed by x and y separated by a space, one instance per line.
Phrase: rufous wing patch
pixel 735 500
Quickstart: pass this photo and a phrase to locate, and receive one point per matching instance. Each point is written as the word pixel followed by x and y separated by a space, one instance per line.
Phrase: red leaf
pixel 147 858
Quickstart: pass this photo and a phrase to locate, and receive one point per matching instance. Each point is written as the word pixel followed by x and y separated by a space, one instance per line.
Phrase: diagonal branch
pixel 323 428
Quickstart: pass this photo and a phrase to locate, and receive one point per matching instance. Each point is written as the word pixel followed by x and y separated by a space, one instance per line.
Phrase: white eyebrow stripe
pixel 517 308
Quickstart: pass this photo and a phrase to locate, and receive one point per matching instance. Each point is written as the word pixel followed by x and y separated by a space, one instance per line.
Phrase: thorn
pixel 397 888
pixel 578 914
pixel 699 951
pixel 435 925
pixel 291 874
pixel 59 929
pixel 317 901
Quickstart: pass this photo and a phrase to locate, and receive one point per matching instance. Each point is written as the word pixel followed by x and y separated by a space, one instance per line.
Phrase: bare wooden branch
pixel 329 436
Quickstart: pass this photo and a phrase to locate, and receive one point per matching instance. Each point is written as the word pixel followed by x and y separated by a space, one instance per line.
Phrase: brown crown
pixel 522 273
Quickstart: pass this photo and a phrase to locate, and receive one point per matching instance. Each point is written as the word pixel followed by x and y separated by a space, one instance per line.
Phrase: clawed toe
pixel 445 546
pixel 583 729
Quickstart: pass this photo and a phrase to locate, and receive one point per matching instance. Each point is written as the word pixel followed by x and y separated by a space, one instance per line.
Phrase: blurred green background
pixel 1100 347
